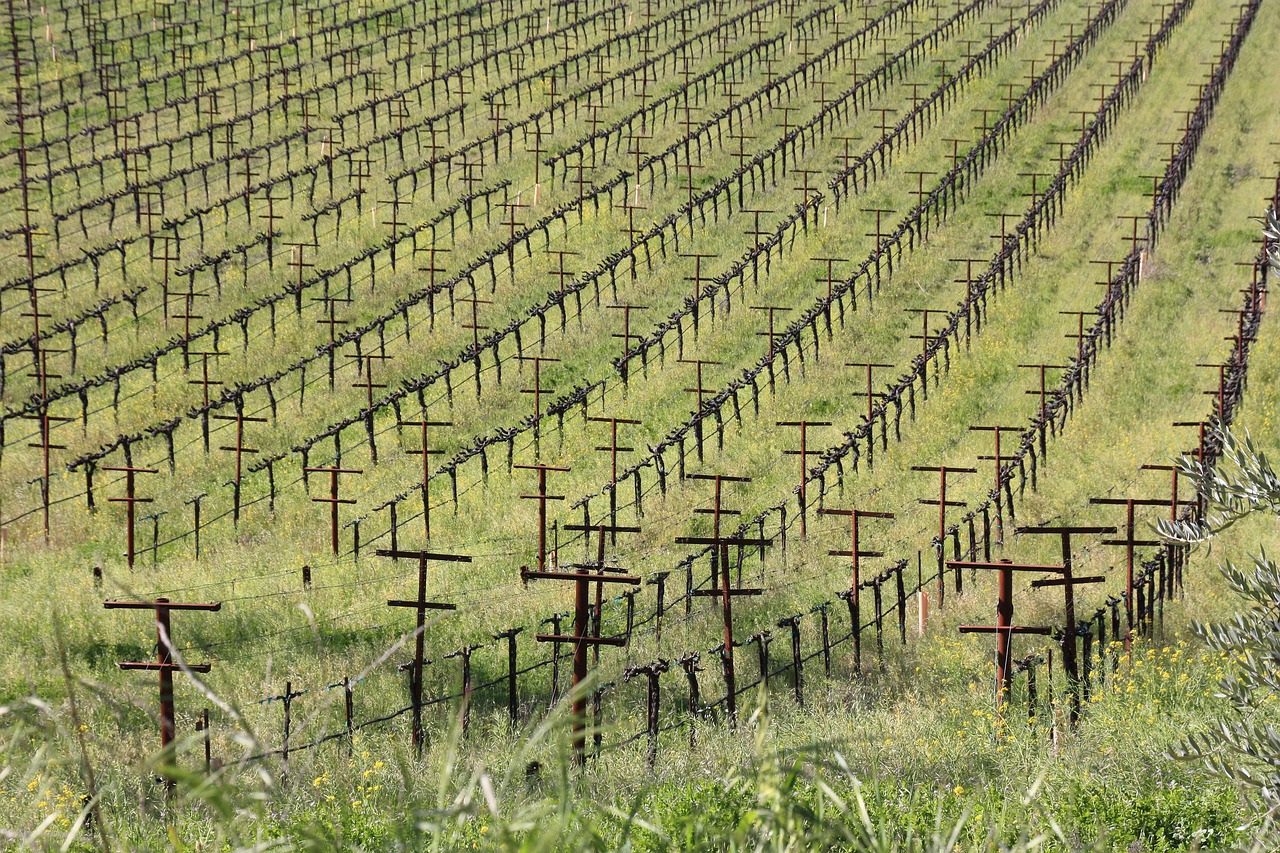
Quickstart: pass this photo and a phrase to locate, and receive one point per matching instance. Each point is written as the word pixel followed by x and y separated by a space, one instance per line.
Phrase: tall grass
pixel 866 766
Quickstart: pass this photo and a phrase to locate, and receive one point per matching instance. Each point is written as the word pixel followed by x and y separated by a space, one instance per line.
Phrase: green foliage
pixel 1243 745
pixel 1175 818
pixel 1241 483
pixel 769 796
pixel 688 811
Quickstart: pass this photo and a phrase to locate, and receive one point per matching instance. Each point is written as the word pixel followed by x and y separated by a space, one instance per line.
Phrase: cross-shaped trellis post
pixel 1068 583
pixel 420 605
pixel 164 663
pixel 855 553
pixel 727 591
pixel 333 500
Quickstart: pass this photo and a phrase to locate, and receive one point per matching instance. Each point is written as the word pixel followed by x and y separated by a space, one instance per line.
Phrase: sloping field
pixel 389 327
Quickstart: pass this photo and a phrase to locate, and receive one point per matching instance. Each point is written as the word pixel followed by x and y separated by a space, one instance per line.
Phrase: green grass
pixel 912 752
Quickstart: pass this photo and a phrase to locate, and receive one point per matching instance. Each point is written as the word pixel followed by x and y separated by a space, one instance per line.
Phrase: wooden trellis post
pixel 757 232
pixel 188 310
pixel 297 260
pixel 879 233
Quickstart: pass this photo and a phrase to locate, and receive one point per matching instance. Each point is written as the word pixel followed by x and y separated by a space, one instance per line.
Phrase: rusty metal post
pixel 537 391
pixel 240 450
pixel 582 636
pixel 129 500
pixel 420 605
pixel 613 449
pixel 1129 543
pixel 999 459
pixel 942 503
pixel 804 453
pixel 855 553
pixel 333 500
pixel 1068 582
pixel 426 453
pixel 871 396
pixel 542 497
pixel 726 593
pixel 1004 629
pixel 164 664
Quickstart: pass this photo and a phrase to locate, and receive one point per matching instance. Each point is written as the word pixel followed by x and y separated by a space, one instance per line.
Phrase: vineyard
pixel 431 376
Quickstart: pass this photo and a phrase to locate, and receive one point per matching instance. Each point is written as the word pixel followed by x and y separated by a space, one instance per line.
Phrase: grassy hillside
pixel 228 214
